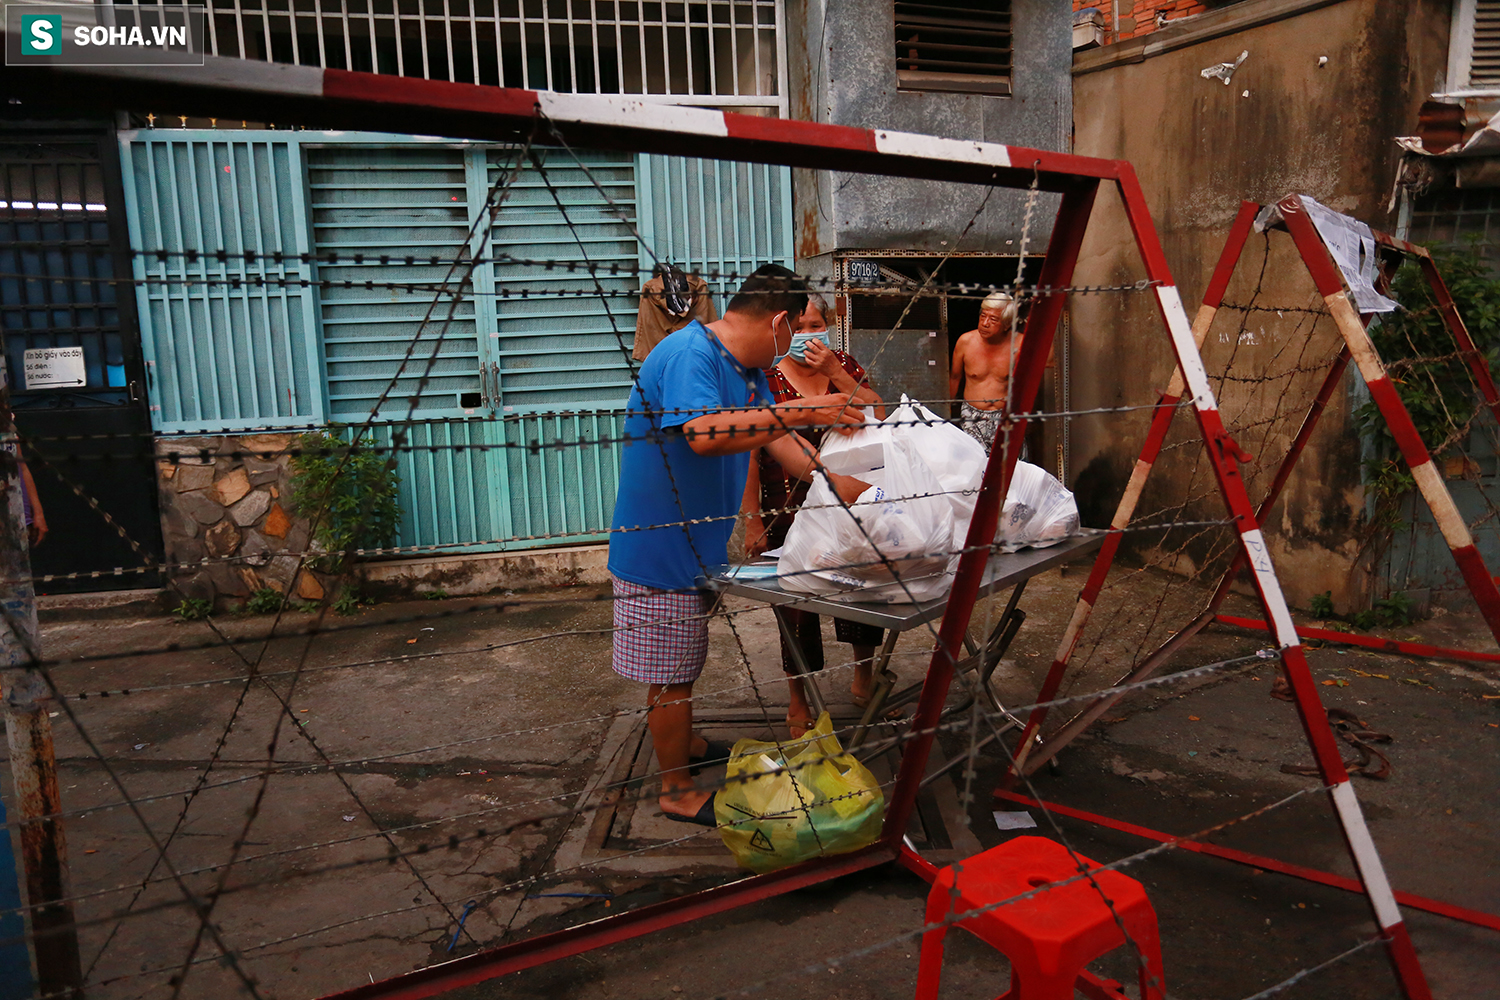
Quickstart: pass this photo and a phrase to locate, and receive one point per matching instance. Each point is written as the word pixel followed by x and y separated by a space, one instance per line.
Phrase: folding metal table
pixel 1010 569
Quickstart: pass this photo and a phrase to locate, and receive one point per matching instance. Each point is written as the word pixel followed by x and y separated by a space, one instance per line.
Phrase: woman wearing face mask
pixel 811 368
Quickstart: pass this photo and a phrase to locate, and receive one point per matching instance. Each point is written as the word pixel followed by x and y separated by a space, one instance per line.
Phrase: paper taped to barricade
pixel 1352 245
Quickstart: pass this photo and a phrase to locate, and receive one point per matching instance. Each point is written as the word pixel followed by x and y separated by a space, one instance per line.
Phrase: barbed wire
pixel 194 257
pixel 610 790
pixel 205 454
pixel 595 534
pixel 203 905
pixel 962 291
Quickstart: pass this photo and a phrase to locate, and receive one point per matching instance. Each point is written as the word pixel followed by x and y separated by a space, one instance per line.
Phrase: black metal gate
pixel 82 412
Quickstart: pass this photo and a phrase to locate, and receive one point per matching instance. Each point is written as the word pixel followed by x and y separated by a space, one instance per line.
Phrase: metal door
pixel 62 240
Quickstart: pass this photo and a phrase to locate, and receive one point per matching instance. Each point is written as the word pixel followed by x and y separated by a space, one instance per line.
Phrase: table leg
pixel 799 662
pixel 885 681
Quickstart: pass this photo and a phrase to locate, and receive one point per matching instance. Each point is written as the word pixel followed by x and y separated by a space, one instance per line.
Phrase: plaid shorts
pixel 661 636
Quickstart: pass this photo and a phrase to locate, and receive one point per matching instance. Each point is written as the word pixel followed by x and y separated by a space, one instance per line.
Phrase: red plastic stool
pixel 1049 937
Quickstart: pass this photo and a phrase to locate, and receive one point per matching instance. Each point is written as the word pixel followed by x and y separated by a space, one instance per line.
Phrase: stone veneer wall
pixel 217 504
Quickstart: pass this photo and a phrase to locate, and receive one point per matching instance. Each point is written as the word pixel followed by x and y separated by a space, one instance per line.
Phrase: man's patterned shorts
pixel 661 636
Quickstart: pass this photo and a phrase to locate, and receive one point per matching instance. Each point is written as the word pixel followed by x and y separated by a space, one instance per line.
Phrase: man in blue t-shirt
pixel 700 405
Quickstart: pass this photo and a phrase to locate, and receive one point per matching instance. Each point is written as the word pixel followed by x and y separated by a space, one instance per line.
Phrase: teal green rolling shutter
pixel 385 211
pixel 565 353
pixel 713 216
pixel 561 362
pixel 230 343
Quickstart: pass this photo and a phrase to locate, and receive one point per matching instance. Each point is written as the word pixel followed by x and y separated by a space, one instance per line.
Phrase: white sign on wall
pixel 55 368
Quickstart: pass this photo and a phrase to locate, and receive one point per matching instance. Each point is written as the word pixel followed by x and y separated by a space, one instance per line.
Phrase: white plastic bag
pixel 1039 511
pixel 953 456
pixel 860 454
pixel 897 551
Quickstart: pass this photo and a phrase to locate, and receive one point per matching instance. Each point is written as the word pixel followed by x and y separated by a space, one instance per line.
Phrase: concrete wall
pixel 1285 124
pixel 842 71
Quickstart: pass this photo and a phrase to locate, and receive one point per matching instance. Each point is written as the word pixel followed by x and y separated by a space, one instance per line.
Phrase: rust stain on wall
pixel 808 244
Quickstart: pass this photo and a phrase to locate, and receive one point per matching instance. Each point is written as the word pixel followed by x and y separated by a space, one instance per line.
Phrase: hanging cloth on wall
pixel 670 301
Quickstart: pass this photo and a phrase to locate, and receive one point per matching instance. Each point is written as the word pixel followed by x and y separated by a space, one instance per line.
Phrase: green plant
pixel 1321 605
pixel 1395 610
pixel 1391 611
pixel 193 609
pixel 1432 379
pixel 347 603
pixel 436 595
pixel 265 601
pixel 348 495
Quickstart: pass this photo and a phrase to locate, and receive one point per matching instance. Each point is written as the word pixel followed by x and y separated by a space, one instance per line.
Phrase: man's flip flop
pixel 714 753
pixel 703 817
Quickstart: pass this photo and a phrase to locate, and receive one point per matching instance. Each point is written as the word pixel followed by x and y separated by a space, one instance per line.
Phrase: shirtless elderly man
pixel 983 361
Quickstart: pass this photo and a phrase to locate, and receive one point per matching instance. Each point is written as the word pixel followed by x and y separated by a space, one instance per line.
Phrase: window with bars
pixel 954 46
pixel 55 258
pixel 1474 46
pixel 726 50
pixel 1459 217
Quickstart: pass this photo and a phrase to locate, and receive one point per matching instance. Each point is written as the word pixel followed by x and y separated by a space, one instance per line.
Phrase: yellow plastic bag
pixel 774 812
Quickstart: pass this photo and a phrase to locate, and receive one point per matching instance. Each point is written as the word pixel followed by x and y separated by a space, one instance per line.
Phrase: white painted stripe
pixel 1187 347
pixel 1133 489
pixel 1075 628
pixel 930 147
pixel 628 112
pixel 1270 586
pixel 1444 511
pixel 1361 348
pixel 1366 857
pixel 1201 323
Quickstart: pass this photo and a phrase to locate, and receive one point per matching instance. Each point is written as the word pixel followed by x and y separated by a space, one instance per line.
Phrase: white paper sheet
pixel 1021 820
pixel 1352 245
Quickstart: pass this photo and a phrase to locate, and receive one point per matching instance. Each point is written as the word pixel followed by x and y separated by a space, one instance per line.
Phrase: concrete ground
pixel 501 715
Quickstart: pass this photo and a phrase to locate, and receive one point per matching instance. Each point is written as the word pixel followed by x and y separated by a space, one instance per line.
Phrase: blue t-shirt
pixel 687 375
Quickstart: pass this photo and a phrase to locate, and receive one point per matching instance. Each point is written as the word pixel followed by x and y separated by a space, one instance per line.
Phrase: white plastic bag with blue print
pixel 892 545
pixel 1039 511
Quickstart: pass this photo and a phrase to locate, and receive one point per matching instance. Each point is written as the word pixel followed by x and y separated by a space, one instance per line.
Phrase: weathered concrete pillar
pixel 33 766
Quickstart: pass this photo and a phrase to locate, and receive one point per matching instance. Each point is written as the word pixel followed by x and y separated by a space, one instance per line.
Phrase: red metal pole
pixel 1161 420
pixel 1476 917
pixel 545 948
pixel 1036 343
pixel 1068 732
pixel 1223 457
pixel 1421 649
pixel 1150 664
pixel 1473 357
pixel 1429 482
